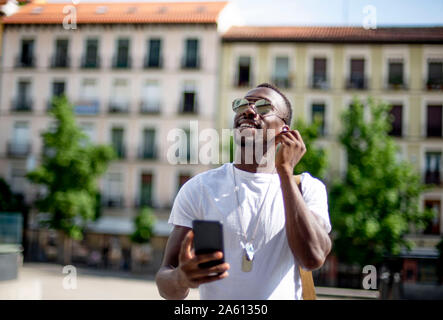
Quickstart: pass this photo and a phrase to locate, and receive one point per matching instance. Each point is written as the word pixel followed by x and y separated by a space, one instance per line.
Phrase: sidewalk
pixel 45 281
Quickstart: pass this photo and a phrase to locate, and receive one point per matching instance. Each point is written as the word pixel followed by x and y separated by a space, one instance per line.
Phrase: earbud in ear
pixel 285 128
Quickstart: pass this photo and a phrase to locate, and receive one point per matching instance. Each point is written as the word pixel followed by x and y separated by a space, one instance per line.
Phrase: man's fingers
pixel 201 258
pixel 211 278
pixel 185 250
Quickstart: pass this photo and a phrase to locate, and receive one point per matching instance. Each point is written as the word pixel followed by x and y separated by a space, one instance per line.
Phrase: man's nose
pixel 250 111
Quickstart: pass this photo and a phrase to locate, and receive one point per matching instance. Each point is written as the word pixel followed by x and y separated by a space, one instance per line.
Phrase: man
pixel 270 227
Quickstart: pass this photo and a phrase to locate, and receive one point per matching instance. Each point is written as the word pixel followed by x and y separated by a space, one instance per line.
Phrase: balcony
pixel 146 153
pixel 21 105
pixel 116 201
pixel 243 82
pixel 121 63
pixel 87 107
pixel 147 107
pixel 153 63
pixel 116 106
pixel 320 82
pixel 357 83
pixel 396 83
pixel 25 62
pixel 60 61
pixel 120 151
pixel 18 149
pixel 189 63
pixel 434 84
pixel 188 108
pixel 90 63
pixel 433 177
pixel 282 82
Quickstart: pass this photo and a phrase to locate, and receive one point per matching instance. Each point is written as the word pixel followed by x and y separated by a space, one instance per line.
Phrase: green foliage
pixel 378 200
pixel 315 159
pixel 70 168
pixel 144 226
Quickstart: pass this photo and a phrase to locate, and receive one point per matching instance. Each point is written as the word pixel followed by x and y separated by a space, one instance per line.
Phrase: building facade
pixel 131 81
pixel 321 70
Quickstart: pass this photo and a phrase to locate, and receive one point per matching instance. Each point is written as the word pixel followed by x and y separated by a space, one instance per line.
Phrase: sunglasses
pixel 261 107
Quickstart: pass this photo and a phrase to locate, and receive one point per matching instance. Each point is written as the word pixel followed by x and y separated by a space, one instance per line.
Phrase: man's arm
pixel 309 242
pixel 180 271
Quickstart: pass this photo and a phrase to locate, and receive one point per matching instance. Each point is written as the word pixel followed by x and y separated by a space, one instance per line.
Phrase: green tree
pixel 315 159
pixel 69 170
pixel 144 226
pixel 375 204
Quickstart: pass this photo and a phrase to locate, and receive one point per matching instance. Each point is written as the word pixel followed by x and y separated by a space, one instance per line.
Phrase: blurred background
pixel 89 91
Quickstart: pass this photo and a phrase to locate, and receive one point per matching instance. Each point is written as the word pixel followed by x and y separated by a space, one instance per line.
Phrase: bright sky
pixel 331 12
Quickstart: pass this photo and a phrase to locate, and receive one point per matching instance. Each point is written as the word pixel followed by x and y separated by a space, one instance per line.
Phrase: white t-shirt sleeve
pixel 316 198
pixel 186 204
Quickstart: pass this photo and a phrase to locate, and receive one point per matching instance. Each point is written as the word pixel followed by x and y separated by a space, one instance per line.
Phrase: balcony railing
pixel 90 63
pixel 113 201
pixel 146 153
pixel 282 82
pixel 118 106
pixel 433 177
pixel 60 61
pixel 25 62
pixel 242 83
pixel 396 84
pixel 357 83
pixel 87 107
pixel 188 109
pixel 144 202
pixel 188 63
pixel 119 63
pixel 18 149
pixel 120 151
pixel 319 82
pixel 21 105
pixel 153 63
pixel 434 84
pixel 147 107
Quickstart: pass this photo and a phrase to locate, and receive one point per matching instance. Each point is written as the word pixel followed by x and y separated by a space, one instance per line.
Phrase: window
pixel 357 74
pixel 58 88
pixel 395 74
pixel 88 103
pixel 318 115
pixel 434 121
pixel 319 79
pixel 26 57
pixel 150 102
pixel 120 96
pixel 117 135
pixel 89 130
pixel 153 59
pixel 189 98
pixel 90 59
pixel 23 101
pixel 60 59
pixel 396 114
pixel 18 181
pixel 122 59
pixel 244 71
pixel 433 226
pixel 432 170
pixel 435 75
pixel 20 146
pixel 146 190
pixel 148 146
pixel 182 179
pixel 191 58
pixel 114 190
pixel 281 72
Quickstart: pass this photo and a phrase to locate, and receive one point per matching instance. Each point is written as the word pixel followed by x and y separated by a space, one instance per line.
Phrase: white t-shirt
pixel 210 196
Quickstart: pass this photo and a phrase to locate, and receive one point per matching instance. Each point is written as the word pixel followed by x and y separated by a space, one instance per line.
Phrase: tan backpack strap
pixel 307 282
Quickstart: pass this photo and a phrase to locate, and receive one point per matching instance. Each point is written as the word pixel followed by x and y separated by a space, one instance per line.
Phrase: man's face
pixel 248 122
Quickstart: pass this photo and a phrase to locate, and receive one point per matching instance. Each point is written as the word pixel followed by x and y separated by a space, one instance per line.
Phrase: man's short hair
pixel 287 102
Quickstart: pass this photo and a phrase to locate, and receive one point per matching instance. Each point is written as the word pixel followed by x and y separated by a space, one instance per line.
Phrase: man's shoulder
pixel 207 177
pixel 308 180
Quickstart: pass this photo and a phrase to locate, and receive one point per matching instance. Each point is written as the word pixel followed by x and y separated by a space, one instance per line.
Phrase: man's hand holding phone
pixel 190 274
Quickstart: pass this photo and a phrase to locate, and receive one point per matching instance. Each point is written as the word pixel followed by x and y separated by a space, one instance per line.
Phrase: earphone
pixel 285 129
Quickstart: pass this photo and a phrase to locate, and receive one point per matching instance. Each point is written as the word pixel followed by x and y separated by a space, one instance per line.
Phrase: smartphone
pixel 208 238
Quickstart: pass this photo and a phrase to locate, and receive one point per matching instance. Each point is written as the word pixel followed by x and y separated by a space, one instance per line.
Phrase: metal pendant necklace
pixel 248 248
